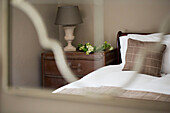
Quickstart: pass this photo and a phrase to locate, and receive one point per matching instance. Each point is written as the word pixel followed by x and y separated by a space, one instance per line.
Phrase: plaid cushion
pixel 152 61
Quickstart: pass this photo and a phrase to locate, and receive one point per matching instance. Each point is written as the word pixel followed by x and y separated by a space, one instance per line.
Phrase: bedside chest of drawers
pixel 80 64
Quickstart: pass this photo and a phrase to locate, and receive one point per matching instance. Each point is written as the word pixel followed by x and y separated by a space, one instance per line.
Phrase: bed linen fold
pixel 106 79
pixel 124 93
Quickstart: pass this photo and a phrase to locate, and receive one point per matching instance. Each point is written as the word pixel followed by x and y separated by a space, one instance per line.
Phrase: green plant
pixel 88 48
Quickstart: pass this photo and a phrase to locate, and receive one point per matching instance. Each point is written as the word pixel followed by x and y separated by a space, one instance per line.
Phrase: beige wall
pixel 26 50
pixel 143 16
pixel 133 16
pixel 0 55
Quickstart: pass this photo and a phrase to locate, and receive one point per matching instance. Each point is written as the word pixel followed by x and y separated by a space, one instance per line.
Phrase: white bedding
pixel 113 76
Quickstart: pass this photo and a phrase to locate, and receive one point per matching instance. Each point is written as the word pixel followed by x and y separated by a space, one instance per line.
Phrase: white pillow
pixel 123 48
pixel 147 38
pixel 166 56
pixel 149 35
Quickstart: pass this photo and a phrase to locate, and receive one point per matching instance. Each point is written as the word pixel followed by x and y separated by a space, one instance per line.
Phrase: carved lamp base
pixel 69 37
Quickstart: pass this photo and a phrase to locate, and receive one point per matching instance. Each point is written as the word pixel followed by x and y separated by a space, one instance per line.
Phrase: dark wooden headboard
pixel 119 34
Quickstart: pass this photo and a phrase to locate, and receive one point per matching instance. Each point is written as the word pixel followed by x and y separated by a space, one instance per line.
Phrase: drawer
pixel 50 68
pixel 78 67
pixel 83 67
pixel 54 82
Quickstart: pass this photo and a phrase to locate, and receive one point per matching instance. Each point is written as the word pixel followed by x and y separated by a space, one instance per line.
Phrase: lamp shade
pixel 68 15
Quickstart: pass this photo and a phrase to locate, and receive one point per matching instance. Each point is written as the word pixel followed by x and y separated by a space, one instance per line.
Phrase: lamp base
pixel 69 37
pixel 69 48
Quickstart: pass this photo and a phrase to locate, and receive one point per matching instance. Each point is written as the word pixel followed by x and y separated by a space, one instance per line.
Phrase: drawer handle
pixel 75 67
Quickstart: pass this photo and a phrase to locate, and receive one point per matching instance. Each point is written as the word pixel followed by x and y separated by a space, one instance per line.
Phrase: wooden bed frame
pixel 119 34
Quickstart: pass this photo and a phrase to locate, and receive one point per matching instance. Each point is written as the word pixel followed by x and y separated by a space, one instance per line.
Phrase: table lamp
pixel 68 17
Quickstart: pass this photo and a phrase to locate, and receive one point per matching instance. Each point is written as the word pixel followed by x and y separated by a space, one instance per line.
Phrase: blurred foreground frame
pixel 120 104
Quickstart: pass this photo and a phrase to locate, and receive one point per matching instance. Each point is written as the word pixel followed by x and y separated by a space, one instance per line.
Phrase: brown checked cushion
pixel 152 61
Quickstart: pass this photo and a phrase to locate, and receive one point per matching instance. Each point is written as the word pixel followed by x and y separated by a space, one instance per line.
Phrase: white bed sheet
pixel 113 76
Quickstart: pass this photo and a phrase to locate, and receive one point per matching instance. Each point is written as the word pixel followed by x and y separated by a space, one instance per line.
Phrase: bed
pixel 149 85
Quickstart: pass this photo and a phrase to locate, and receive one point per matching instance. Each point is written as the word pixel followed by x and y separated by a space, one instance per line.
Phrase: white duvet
pixel 113 76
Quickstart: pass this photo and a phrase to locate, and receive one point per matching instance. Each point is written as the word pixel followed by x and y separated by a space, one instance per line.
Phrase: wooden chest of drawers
pixel 80 63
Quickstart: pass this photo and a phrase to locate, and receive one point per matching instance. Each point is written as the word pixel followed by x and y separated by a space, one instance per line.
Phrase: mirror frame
pixel 38 93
